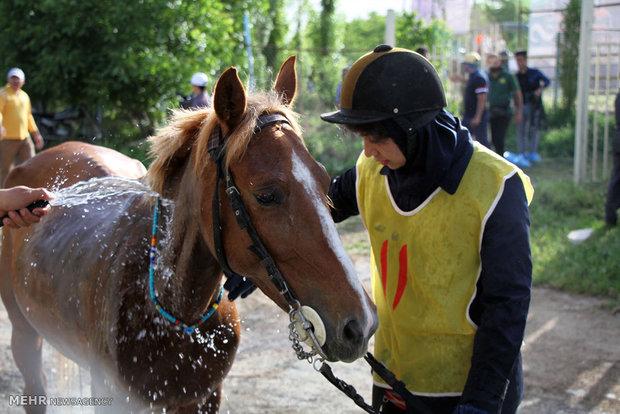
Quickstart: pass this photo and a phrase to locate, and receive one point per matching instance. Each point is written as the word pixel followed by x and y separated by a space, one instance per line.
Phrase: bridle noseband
pixel 217 151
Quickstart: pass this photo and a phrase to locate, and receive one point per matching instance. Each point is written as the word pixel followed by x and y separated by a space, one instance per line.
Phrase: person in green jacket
pixel 503 89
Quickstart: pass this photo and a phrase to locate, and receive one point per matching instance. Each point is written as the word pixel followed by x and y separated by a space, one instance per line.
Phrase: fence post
pixel 556 84
pixel 606 133
pixel 390 28
pixel 583 86
pixel 597 84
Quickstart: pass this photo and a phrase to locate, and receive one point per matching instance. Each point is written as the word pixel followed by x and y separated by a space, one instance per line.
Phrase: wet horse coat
pixel 79 278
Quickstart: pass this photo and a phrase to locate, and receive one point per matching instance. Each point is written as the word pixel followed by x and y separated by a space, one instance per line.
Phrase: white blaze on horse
pixel 80 278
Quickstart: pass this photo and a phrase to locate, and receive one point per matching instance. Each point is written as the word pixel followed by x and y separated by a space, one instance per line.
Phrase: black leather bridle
pixel 217 151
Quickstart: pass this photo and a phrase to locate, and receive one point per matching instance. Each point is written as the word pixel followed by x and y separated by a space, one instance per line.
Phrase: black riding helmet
pixel 390 83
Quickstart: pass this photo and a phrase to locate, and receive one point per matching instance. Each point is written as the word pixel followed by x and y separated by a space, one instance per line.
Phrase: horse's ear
pixel 286 81
pixel 229 98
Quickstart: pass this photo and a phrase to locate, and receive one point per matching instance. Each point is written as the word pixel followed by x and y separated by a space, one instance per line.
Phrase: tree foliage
pixel 569 53
pixel 363 35
pixel 511 15
pixel 275 42
pixel 128 61
pixel 413 32
pixel 322 36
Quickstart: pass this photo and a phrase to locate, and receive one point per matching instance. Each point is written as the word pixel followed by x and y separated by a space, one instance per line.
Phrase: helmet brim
pixel 353 117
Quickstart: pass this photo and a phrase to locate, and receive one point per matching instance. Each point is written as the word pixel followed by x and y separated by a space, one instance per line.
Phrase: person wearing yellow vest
pixel 16 122
pixel 448 224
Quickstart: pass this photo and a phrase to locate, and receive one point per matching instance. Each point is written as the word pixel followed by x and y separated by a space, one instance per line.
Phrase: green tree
pixel 326 62
pixel 569 53
pixel 127 62
pixel 363 35
pixel 511 15
pixel 413 32
pixel 275 41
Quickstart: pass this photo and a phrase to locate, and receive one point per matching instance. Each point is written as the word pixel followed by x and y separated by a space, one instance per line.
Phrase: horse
pixel 96 282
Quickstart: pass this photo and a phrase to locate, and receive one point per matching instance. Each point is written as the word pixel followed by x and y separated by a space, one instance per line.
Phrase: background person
pixel 423 50
pixel 532 82
pixel 503 88
pixel 16 123
pixel 13 202
pixel 475 116
pixel 199 97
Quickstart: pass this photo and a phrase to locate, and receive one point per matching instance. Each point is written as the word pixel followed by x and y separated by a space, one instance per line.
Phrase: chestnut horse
pixel 80 278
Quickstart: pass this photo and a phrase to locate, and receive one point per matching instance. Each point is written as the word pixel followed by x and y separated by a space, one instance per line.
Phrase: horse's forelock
pixel 237 143
pixel 191 130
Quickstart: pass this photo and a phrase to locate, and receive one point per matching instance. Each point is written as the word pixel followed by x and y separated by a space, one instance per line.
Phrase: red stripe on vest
pixel 402 275
pixel 384 268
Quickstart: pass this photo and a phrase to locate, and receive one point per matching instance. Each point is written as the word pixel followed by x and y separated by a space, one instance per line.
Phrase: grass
pixel 559 206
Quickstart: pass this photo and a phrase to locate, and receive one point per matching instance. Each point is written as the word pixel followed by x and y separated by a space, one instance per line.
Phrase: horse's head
pixel 284 191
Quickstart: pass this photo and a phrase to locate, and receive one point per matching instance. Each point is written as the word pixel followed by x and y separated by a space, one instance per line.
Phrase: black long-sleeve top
pixel 502 297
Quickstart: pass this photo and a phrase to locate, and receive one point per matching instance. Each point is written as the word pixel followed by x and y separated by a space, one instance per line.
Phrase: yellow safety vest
pixel 425 264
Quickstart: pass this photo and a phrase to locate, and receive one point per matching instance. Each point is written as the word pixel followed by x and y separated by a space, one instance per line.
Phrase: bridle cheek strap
pixel 217 151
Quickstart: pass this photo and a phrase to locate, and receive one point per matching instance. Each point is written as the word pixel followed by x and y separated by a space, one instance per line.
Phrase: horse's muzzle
pixel 351 341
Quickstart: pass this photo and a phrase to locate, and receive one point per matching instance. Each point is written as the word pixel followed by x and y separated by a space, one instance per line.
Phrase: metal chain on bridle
pixel 315 356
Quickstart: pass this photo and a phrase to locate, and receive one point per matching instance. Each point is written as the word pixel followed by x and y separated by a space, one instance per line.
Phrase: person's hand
pixel 239 286
pixel 468 409
pixel 38 140
pixel 2 131
pixel 538 92
pixel 518 117
pixel 13 202
pixel 475 122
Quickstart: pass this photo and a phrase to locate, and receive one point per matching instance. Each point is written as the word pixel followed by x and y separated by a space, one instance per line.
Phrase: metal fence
pixel 604 84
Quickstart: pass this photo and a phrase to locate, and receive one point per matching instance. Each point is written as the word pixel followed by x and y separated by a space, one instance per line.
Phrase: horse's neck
pixel 195 275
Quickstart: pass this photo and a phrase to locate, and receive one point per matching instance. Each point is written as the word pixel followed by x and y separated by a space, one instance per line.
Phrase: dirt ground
pixel 571 356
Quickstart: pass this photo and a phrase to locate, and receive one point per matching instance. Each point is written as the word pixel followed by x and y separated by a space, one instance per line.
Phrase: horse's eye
pixel 267 197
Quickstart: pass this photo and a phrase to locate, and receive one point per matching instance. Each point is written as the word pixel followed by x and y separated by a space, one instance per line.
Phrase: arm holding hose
pixel 17 208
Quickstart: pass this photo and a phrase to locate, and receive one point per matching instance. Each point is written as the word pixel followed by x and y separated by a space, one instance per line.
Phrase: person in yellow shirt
pixel 16 123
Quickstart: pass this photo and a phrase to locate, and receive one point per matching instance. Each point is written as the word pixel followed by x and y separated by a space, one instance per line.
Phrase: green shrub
pixel 558 142
pixel 559 117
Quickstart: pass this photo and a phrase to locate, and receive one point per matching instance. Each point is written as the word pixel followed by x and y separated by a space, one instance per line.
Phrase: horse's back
pixel 71 162
pixel 55 238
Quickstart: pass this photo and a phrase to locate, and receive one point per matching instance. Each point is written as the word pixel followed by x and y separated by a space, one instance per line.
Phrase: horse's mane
pixel 190 130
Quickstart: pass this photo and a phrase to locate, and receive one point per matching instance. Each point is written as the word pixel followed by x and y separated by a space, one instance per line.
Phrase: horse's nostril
pixel 353 332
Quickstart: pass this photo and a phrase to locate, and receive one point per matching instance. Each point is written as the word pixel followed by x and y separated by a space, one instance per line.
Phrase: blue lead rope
pixel 188 329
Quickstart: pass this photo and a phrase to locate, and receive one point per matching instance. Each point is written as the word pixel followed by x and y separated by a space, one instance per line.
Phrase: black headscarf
pixel 437 147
